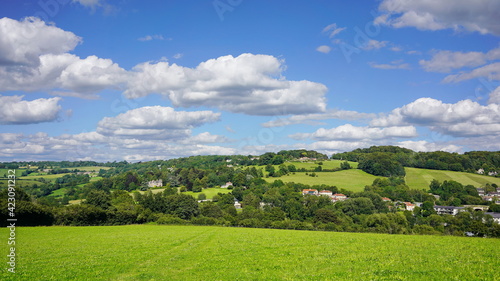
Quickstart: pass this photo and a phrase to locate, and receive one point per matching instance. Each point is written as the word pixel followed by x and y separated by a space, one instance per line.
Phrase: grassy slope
pixel 327 164
pixel 149 252
pixel 421 178
pixel 352 179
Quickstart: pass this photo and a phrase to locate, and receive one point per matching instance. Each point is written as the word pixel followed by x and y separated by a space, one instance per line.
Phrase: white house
pixel 228 184
pixel 326 192
pixel 338 197
pixel 156 183
pixel 310 191
pixel 449 210
pixel 409 206
pixel 237 205
pixel 496 216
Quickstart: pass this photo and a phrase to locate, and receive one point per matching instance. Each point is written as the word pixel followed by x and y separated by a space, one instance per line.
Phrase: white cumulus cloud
pixel 155 122
pixel 15 110
pixel 350 132
pixel 474 16
pixel 324 49
pixel 250 84
pixel 464 118
pixel 22 42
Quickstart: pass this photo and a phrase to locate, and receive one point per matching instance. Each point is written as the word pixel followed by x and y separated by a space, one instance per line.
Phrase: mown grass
pixel 4 173
pixel 19 183
pixel 352 179
pixel 88 168
pixel 47 177
pixel 421 178
pixel 311 165
pixel 153 252
pixel 209 192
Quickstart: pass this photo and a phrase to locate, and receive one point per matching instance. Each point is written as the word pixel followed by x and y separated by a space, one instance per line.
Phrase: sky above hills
pixel 124 80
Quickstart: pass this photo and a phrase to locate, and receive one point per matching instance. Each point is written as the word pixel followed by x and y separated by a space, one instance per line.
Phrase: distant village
pixel 409 206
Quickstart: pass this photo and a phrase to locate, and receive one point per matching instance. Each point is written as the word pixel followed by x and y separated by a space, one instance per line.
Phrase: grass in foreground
pixel 153 252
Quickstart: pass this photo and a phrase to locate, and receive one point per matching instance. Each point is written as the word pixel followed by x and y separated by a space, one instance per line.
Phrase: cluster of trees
pixel 438 160
pixel 453 193
pixel 381 164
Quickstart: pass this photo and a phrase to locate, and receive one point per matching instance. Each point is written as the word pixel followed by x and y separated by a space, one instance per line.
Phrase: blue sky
pixel 122 80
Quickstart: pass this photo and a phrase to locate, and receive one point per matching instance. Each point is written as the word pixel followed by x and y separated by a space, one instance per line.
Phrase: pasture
pixel 352 179
pixel 209 192
pixel 156 252
pixel 421 178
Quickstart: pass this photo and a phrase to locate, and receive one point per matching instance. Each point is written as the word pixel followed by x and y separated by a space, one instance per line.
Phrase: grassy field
pixel 5 172
pixel 421 178
pixel 209 192
pixel 48 177
pixel 327 164
pixel 154 252
pixel 352 179
pixel 89 168
pixel 19 183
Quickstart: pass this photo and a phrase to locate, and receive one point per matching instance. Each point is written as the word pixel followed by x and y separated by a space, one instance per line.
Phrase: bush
pixel 170 219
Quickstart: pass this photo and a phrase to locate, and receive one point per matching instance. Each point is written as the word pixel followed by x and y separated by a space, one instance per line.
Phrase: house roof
pixel 307 190
pixel 448 207
pixel 338 194
pixel 494 215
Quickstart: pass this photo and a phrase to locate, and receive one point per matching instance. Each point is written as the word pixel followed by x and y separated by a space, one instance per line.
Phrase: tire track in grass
pixel 174 258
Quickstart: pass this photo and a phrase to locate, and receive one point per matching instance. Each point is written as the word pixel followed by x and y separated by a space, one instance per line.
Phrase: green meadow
pixel 209 192
pixel 352 179
pixel 356 180
pixel 5 172
pixel 155 252
pixel 421 178
pixel 310 165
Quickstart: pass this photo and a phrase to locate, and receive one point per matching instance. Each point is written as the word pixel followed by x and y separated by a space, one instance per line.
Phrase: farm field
pixel 89 168
pixel 209 192
pixel 352 179
pixel 19 183
pixel 155 252
pixel 421 178
pixel 327 164
pixel 4 172
pixel 48 177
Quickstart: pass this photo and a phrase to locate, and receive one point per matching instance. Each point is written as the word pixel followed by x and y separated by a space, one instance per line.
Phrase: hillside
pixel 421 178
pixel 353 179
pixel 151 252
pixel 356 180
